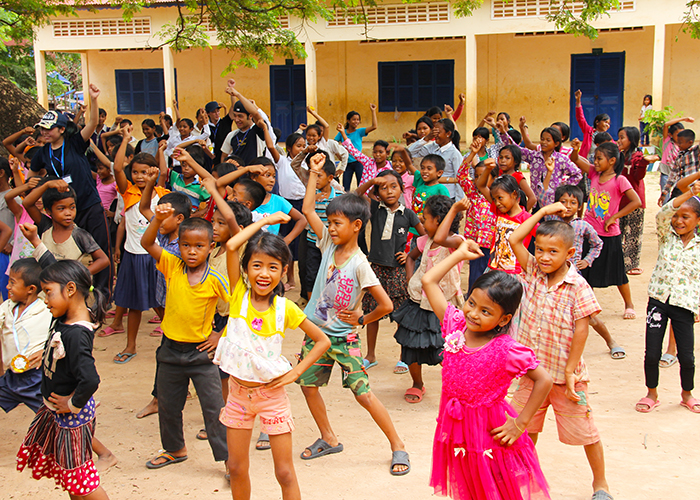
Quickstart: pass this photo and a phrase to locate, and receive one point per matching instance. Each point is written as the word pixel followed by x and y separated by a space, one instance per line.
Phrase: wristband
pixel 361 320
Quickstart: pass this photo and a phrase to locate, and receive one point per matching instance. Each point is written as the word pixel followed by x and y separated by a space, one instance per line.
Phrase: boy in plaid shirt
pixel 555 310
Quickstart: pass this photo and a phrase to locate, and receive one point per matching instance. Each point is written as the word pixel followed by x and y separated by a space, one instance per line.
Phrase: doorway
pixel 287 98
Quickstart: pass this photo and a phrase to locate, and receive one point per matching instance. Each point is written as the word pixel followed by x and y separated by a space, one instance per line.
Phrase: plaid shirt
pixel 686 164
pixel 548 317
pixel 480 221
pixel 583 230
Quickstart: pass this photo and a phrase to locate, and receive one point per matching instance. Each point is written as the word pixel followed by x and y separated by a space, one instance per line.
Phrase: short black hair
pixel 102 111
pixel 159 130
pixel 224 168
pixel 515 135
pixel 481 132
pixel 197 224
pixel 437 206
pixel 262 160
pixel 243 215
pixel 328 165
pixel 433 111
pixel 565 130
pixel 187 122
pixel 675 127
pixel 125 121
pixel 29 271
pixel 388 173
pixel 436 160
pixel 602 137
pixel 574 191
pixel 349 205
pixel 197 154
pixel 149 123
pixel 180 202
pixel 687 134
pixel 52 195
pixel 254 191
pixel 237 159
pixel 5 167
pixel 315 127
pixel 558 229
pixel 381 143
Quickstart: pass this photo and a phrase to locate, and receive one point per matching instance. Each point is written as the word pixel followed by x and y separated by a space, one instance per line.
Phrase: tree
pixel 18 110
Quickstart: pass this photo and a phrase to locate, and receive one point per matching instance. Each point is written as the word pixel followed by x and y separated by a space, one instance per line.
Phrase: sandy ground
pixel 648 455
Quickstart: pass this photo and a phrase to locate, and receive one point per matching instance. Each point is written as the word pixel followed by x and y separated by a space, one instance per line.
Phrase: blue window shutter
pixel 387 86
pixel 415 85
pixel 140 91
pixel 123 80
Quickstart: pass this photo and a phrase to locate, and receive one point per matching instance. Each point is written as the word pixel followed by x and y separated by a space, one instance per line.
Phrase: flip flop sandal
pixel 169 459
pixel 650 405
pixel 369 365
pixel 400 368
pixel 692 404
pixel 110 314
pixel 618 353
pixel 158 332
pixel 633 315
pixel 320 448
pixel 109 331
pixel 155 319
pixel 400 457
pixel 670 360
pixel 129 357
pixel 418 393
pixel 265 440
pixel 635 272
pixel 602 495
pixel 202 435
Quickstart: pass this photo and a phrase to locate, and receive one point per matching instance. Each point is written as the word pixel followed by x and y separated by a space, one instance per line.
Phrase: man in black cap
pixel 248 140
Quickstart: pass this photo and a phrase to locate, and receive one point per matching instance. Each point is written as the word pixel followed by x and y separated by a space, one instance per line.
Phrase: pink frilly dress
pixel 467 463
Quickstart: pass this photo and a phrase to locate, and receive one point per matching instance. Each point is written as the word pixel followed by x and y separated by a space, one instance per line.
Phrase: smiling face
pixel 503 120
pixel 138 175
pixel 149 132
pixel 312 137
pixel 547 143
pixel 214 115
pixel 482 314
pixel 103 172
pixel 242 120
pixel 53 134
pixel 298 147
pixel 436 118
pixel 266 179
pixel 623 141
pixel 17 291
pixel 264 273
pixel 354 122
pixel 422 129
pixel 428 172
pixel 602 163
pixel 504 200
pixel 685 219
pixel 551 253
pixel 397 163
pixel 603 125
pixel 195 247
pixel 184 129
pixel 442 136
pixel 63 212
pixel 379 154
pixel 430 223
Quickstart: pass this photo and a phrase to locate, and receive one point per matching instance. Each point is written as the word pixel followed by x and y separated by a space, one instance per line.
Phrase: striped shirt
pixel 548 317
pixel 321 205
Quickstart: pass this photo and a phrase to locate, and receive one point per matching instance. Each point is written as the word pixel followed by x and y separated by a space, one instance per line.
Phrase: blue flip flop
pixel 129 357
pixel 369 365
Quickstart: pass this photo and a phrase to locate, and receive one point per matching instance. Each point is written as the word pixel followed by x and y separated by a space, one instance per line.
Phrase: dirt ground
pixel 648 455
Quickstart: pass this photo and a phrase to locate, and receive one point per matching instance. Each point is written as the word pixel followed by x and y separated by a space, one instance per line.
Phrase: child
pixel 643 126
pixel 184 354
pixel 387 256
pixel 21 248
pixel 251 352
pixel 418 330
pixel 669 150
pixel 59 441
pixel 58 234
pixel 565 172
pixel 275 203
pixel 480 361
pixel 400 163
pixel 318 136
pixel 601 123
pixel 506 199
pixel 572 198
pixel 186 182
pixel 632 224
pixel 370 166
pixel 355 134
pixel 608 187
pixel 674 293
pixel 687 162
pixel 136 281
pixel 150 143
pixel 554 314
pixel 25 322
pixel 334 306
pixel 426 182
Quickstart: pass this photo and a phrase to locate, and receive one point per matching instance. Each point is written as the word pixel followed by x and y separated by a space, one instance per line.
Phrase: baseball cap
pixel 52 119
pixel 239 108
pixel 211 107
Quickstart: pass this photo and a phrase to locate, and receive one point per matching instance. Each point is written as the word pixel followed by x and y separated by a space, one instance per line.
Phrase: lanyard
pixel 53 157
pixel 14 328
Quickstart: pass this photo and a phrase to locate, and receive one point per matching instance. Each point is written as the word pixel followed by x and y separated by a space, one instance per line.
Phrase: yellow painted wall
pixel 682 74
pixel 531 76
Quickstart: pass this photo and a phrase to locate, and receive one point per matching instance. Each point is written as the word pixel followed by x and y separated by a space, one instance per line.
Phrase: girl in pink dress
pixel 481 450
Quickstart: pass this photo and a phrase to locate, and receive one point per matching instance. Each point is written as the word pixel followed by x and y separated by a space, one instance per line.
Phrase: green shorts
pixel 344 351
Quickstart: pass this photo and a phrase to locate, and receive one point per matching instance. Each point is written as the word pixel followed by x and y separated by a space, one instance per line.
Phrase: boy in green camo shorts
pixel 335 306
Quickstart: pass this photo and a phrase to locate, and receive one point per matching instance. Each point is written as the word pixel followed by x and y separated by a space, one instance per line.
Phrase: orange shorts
pixel 574 420
pixel 244 403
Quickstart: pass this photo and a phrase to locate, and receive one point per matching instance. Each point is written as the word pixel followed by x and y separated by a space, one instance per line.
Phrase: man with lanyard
pixel 63 156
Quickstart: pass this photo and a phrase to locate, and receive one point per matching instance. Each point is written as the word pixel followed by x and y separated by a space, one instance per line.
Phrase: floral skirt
pixel 59 446
pixel 393 280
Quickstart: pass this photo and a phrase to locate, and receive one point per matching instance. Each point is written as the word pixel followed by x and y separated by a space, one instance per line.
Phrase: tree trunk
pixel 18 110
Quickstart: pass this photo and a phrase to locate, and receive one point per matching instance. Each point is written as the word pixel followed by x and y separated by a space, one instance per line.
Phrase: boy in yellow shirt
pixel 193 290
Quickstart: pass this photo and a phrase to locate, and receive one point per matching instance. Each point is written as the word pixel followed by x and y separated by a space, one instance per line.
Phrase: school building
pixel 505 57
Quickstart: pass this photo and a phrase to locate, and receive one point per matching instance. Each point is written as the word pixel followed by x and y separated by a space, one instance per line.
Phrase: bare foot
pixel 105 461
pixel 149 409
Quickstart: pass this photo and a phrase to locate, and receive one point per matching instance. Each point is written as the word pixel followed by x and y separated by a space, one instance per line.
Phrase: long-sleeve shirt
pixel 587 130
pixel 480 221
pixel 635 169
pixel 336 151
pixel 584 231
pixel 565 172
pixel 686 164
pixel 449 153
pixel 676 276
pixel 369 170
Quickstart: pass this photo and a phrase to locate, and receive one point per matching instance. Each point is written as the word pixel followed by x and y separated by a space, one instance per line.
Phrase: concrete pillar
pixel 42 92
pixel 86 77
pixel 169 77
pixel 657 67
pixel 471 88
pixel 310 70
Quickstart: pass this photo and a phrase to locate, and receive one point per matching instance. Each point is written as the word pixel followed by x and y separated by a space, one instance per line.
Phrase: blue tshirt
pixel 356 139
pixel 276 204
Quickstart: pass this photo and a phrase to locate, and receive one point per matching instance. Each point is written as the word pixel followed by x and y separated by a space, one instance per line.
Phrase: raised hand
pixel 316 163
pixel 577 95
pixel 462 205
pixel 59 184
pixel 255 170
pixel 576 144
pixel 181 155
pixel 277 218
pixel 93 91
pixel 30 232
pixel 29 130
pixel 373 107
pixel 448 110
pixel 152 175
pixel 209 184
pixel 462 98
pixel 557 208
pixel 477 143
pixel 164 211
pixel 523 122
pixel 549 163
pixel 302 126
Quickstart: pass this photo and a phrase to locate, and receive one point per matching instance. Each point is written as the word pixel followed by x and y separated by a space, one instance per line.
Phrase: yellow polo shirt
pixel 190 308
